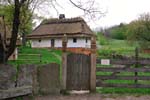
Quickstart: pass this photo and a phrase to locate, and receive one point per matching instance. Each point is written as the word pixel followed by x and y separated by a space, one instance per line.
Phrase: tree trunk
pixel 16 21
pixel 15 28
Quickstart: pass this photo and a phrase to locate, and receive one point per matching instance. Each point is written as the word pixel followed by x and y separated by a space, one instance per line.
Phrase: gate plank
pixel 78 72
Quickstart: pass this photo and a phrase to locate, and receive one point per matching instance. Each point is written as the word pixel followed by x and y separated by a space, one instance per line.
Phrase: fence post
pixel 64 62
pixel 136 61
pixel 40 58
pixel 93 65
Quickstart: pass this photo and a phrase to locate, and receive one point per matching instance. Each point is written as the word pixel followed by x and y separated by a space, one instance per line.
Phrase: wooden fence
pixel 127 73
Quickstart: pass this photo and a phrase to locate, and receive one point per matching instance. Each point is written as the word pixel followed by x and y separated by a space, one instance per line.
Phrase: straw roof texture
pixel 55 26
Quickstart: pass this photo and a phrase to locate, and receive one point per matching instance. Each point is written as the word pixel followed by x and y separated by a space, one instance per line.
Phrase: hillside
pixel 29 55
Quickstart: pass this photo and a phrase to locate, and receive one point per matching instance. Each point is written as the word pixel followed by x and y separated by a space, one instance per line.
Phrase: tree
pixel 6 51
pixel 25 19
pixel 21 5
pixel 118 32
pixel 139 30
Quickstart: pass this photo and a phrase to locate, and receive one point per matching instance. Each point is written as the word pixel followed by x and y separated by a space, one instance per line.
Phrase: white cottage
pixel 49 33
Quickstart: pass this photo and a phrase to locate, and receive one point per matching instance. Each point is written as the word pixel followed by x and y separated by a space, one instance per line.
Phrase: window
pixel 52 42
pixel 74 40
pixel 86 40
pixel 40 40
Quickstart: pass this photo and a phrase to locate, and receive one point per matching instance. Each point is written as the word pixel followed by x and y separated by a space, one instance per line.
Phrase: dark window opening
pixel 52 42
pixel 86 40
pixel 39 40
pixel 74 40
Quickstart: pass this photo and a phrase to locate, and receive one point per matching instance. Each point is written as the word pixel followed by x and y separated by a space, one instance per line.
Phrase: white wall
pixel 44 43
pixel 14 55
pixel 81 42
pixel 58 42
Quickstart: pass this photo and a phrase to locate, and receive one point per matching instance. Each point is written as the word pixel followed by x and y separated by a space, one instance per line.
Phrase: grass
pixel 110 90
pixel 123 91
pixel 47 56
pixel 121 47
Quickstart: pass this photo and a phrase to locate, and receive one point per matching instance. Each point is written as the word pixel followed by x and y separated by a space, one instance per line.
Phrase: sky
pixel 117 11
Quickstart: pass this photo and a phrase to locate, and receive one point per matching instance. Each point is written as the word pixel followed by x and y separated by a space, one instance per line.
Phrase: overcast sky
pixel 118 11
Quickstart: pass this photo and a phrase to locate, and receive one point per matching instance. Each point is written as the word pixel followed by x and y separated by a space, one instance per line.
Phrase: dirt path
pixel 93 97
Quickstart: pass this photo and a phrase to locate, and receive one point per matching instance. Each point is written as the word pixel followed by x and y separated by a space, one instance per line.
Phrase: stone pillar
pixel 64 62
pixel 93 65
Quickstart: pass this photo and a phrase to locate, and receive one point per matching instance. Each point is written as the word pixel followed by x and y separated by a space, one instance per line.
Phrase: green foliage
pixel 105 52
pixel 25 18
pixel 102 40
pixel 118 32
pixel 7 11
pixel 120 47
pixel 139 31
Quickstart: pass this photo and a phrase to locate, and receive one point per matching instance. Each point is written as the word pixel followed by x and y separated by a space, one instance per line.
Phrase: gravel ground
pixel 93 97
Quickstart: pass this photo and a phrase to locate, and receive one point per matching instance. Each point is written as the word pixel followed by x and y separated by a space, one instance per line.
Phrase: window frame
pixel 74 40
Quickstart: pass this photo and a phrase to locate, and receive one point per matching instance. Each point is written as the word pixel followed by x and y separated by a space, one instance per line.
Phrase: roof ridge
pixel 66 20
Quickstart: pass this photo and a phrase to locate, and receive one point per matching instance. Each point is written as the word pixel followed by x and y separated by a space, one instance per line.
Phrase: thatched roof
pixel 59 27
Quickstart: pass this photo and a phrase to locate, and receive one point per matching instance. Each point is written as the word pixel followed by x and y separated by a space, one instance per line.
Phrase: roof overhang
pixel 59 36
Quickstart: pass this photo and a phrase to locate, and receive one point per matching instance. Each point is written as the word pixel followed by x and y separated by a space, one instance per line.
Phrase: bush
pixel 106 52
pixel 102 40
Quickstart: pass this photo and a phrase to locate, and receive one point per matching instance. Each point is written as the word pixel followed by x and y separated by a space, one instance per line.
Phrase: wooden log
pixel 14 92
pixel 99 84
pixel 104 69
pixel 64 69
pixel 93 65
pixel 93 73
pixel 106 77
pixel 127 61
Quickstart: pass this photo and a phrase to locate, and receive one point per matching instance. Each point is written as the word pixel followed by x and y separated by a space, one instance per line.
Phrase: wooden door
pixel 78 72
pixel 52 43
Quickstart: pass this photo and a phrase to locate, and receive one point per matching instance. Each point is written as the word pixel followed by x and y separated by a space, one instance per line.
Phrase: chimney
pixel 62 16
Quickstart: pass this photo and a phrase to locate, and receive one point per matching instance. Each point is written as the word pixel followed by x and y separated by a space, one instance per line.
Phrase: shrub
pixel 102 40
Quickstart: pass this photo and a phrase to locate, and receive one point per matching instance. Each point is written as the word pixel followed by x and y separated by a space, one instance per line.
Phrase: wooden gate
pixel 78 72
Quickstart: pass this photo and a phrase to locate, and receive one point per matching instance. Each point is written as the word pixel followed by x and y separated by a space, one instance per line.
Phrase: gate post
pixel 64 63
pixel 93 65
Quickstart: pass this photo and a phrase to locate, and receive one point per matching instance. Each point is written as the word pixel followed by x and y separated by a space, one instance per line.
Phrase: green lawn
pixel 121 47
pixel 124 90
pixel 47 56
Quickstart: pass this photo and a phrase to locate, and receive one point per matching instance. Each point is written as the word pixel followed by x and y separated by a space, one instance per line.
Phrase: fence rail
pixel 104 77
pixel 127 61
pixel 110 76
pixel 124 69
pixel 123 85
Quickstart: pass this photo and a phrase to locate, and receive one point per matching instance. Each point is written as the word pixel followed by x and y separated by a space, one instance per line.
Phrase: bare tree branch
pixel 89 9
